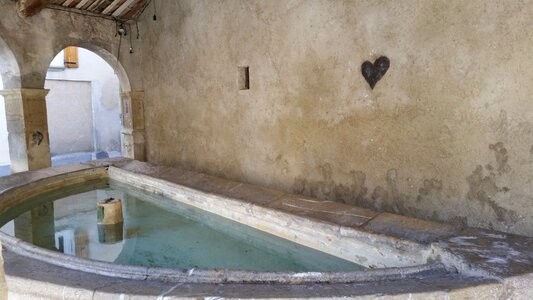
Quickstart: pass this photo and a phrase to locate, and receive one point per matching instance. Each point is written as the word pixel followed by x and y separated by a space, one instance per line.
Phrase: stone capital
pixel 24 93
pixel 130 131
pixel 134 95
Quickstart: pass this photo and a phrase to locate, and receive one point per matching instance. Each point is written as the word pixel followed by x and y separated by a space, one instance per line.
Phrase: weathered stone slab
pixel 22 178
pixel 19 179
pixel 254 194
pixel 328 211
pixel 115 161
pixel 495 253
pixel 211 184
pixel 179 176
pixel 138 167
pixel 66 169
pixel 518 287
pixel 409 228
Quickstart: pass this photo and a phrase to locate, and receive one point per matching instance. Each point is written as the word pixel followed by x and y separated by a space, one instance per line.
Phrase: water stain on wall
pixel 388 198
pixel 482 183
pixel 484 189
pixel 432 188
pixel 354 193
pixel 502 158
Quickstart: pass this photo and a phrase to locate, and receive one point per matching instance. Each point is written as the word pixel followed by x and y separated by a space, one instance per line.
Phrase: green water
pixel 156 232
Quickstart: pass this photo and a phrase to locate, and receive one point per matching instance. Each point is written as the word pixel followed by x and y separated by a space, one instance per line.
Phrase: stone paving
pixel 71 158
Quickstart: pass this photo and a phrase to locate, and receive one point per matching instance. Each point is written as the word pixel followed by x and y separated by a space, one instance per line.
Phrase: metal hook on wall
pixel 155 11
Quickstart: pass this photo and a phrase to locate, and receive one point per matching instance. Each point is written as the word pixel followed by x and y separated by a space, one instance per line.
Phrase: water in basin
pixel 157 232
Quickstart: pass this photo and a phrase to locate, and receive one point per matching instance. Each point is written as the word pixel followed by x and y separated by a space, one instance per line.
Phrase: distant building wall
pixel 70 117
pixel 103 111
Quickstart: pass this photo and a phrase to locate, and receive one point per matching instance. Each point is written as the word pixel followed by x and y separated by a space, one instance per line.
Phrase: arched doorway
pixel 83 106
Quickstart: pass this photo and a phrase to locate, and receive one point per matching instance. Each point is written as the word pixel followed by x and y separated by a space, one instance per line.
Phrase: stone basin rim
pixel 26 249
pixel 215 276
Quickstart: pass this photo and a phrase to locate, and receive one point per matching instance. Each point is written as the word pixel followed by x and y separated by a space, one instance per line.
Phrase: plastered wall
pixel 447 134
pixel 70 116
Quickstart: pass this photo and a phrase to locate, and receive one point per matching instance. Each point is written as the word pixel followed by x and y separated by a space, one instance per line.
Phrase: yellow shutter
pixel 71 57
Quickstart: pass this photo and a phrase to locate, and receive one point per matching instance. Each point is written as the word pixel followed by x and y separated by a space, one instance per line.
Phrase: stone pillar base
pixel 133 134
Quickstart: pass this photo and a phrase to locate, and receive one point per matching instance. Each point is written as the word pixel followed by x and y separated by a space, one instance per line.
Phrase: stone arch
pixel 10 77
pixel 97 108
pixel 106 55
pixel 9 67
pixel 132 111
pixel 133 133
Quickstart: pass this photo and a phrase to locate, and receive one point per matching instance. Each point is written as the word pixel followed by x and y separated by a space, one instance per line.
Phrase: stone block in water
pixel 109 211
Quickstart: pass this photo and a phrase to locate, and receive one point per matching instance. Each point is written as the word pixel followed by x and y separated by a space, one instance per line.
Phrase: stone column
pixel 133 125
pixel 27 126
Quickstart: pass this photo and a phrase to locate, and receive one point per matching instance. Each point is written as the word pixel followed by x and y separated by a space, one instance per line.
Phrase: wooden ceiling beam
pixel 67 3
pixel 123 7
pixel 81 4
pixel 120 10
pixel 80 11
pixel 28 8
pixel 94 5
pixel 108 10
pixel 100 8
pixel 135 10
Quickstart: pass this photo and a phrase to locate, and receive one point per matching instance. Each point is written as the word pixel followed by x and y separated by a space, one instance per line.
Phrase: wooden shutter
pixel 71 57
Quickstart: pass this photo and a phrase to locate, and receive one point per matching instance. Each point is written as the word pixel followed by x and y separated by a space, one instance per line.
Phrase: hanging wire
pixel 137 26
pixel 131 44
pixel 120 32
pixel 119 46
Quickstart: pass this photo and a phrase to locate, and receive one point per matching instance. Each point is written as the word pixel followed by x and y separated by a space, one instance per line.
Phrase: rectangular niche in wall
pixel 244 78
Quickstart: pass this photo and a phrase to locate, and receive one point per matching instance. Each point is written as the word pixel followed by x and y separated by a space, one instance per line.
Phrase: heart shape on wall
pixel 373 72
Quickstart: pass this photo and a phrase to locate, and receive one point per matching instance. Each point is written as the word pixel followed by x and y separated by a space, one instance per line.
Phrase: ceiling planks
pixel 135 10
pixel 111 7
pixel 123 10
pixel 123 7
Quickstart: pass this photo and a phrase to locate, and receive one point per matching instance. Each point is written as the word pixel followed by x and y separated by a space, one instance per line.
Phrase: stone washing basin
pixel 402 254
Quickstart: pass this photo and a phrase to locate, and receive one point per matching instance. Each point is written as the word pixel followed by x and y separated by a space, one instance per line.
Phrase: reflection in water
pixel 110 234
pixel 82 244
pixel 69 226
pixel 110 221
pixel 37 226
pixel 157 231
